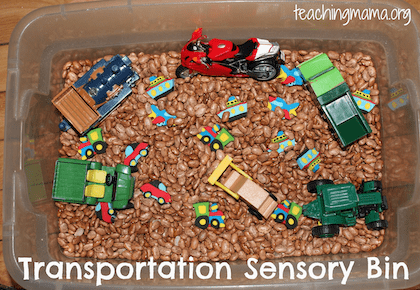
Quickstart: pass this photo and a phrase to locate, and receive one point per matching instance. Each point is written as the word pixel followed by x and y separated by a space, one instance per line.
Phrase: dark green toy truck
pixel 341 204
pixel 335 99
pixel 89 182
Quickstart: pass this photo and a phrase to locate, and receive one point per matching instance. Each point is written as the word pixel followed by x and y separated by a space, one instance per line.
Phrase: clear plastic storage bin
pixel 47 38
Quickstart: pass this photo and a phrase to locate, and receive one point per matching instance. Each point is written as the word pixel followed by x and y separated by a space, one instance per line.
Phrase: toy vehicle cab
pixel 240 185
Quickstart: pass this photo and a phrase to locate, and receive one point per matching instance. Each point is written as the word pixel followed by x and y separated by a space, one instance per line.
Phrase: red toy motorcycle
pixel 256 58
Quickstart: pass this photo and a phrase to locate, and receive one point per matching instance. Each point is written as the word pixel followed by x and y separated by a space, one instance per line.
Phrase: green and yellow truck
pixel 89 182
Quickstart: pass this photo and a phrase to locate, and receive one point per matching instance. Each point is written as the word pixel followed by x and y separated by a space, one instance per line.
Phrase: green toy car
pixel 341 204
pixel 89 182
pixel 333 95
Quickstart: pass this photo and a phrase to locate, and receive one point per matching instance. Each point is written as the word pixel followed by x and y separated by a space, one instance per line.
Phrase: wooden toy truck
pixel 240 185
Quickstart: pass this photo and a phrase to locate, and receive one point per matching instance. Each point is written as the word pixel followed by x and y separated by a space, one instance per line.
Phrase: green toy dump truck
pixel 89 182
pixel 335 99
pixel 341 204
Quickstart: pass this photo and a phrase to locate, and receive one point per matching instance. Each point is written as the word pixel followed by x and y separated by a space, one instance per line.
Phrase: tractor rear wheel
pixel 377 225
pixel 311 186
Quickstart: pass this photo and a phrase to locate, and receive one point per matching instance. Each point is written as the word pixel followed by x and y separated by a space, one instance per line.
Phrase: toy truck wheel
pixel 378 185
pixel 202 222
pixel 255 213
pixel 325 231
pixel 215 224
pixel 89 153
pixel 161 200
pixel 183 72
pixel 311 186
pixel 147 194
pixel 377 225
pixel 280 218
pixel 205 140
pixel 100 147
pixel 291 222
pixel 216 145
pixel 110 179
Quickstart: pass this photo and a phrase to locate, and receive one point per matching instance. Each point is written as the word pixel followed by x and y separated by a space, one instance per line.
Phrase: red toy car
pixel 157 190
pixel 133 153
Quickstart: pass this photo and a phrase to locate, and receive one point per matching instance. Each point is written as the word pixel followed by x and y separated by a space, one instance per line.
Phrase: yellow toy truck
pixel 240 185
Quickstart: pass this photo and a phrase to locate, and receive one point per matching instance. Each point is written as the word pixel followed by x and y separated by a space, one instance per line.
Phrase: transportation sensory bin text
pixel 180 161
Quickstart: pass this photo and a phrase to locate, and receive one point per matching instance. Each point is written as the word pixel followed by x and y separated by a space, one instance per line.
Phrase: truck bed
pixel 69 180
pixel 75 109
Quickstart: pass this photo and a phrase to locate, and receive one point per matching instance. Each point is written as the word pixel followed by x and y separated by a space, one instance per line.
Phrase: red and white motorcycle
pixel 256 58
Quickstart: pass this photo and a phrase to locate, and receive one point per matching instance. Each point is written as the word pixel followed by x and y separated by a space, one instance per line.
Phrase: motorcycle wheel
pixel 265 71
pixel 183 72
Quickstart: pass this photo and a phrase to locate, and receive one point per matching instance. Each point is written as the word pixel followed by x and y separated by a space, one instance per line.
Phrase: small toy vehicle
pixel 160 87
pixel 216 138
pixel 239 184
pixel 287 213
pixel 89 182
pixel 207 215
pixel 133 153
pixel 105 212
pixel 92 144
pixel 341 204
pixel 96 94
pixel 399 97
pixel 256 58
pixel 157 190
pixel 333 96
